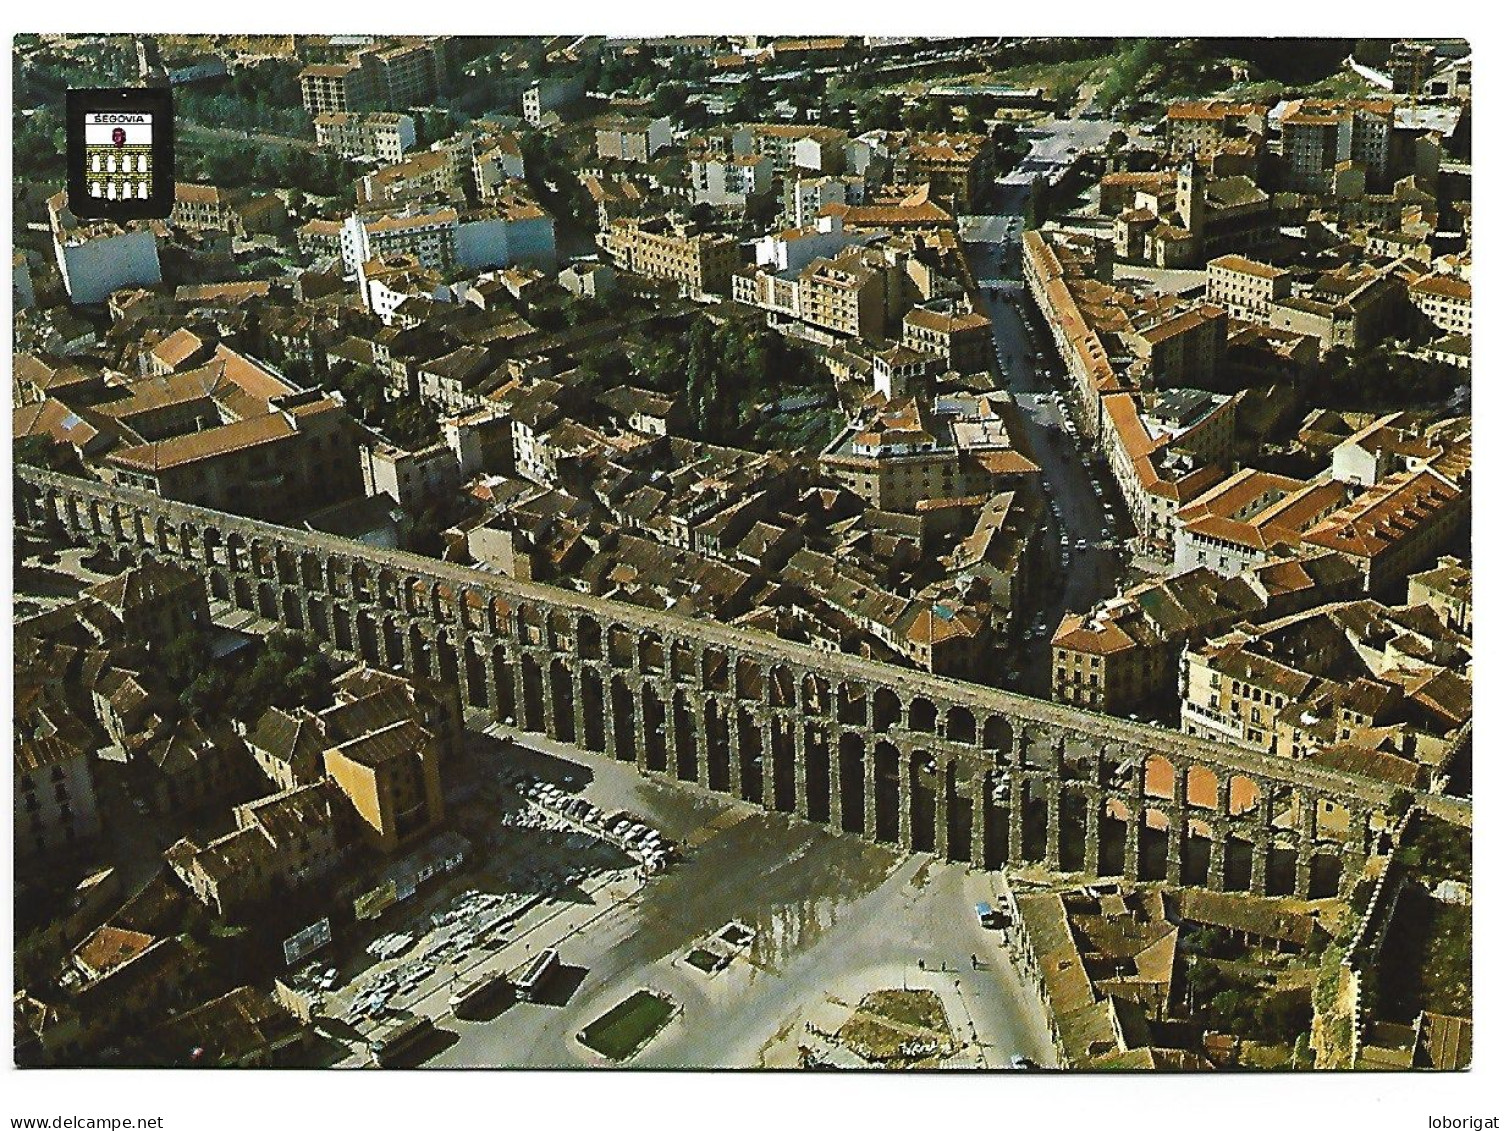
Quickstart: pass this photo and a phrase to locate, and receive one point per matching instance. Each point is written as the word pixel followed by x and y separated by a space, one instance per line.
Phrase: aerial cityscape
pixel 747 552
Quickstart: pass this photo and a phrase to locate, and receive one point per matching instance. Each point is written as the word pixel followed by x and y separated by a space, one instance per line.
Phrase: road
pixel 244 136
pixel 1079 512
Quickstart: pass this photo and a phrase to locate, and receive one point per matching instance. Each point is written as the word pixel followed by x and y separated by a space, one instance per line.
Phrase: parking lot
pixel 745 921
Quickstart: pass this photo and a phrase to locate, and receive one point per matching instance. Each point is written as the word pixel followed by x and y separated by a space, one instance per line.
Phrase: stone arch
pixel 816 695
pixel 1158 775
pixel 562 701
pixel 1201 787
pixel 716 674
pixel 719 753
pixel 887 710
pixel 651 654
pixel 853 704
pixel 654 738
pixel 749 680
pixel 533 717
pixel 476 676
pixel 683 735
pixel 960 725
pixel 853 789
pixel 388 588
pixel 1243 797
pixel 311 576
pixel 997 735
pixel 589 638
pixel 293 611
pixel 622 647
pixel 922 716
pixel 782 687
pixel 593 710
pixel 558 624
pixel 922 771
pixel 621 703
pixel 684 667
pixel 421 654
pixel 504 705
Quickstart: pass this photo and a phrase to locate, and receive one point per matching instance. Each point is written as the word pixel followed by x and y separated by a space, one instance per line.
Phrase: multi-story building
pixel 422 176
pixel 955 166
pixel 1446 588
pixel 553 94
pixel 635 140
pixel 1410 66
pixel 1252 517
pixel 1445 300
pixel 233 436
pixel 55 811
pixel 1203 128
pixel 699 262
pixel 1349 308
pixel 375 77
pixel 1316 134
pixel 384 137
pixel 281 843
pixel 387 737
pixel 806 197
pixel 338 88
pixel 428 236
pixel 1390 530
pixel 730 182
pixel 961 339
pixel 1125 652
pixel 905 447
pixel 206 207
pixel 1184 347
pixel 1245 288
pixel 98 257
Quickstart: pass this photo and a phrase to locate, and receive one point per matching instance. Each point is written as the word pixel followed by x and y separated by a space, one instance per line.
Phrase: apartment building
pixel 1251 518
pixel 96 258
pixel 547 96
pixel 1445 300
pixel 375 77
pixel 421 176
pixel 1316 134
pixel 906 448
pixel 338 88
pixel 1392 529
pixel 699 262
pixel 281 843
pixel 1205 127
pixel 380 136
pixel 1245 288
pixel 955 166
pixel 1180 347
pixel 730 182
pixel 634 140
pixel 54 811
pixel 1125 652
pixel 1446 588
pixel 961 339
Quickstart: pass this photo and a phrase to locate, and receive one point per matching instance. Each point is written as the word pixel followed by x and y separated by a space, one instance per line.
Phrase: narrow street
pixel 1086 528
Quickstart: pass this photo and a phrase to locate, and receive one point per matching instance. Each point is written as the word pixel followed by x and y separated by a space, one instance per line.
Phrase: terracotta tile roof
pixel 110 948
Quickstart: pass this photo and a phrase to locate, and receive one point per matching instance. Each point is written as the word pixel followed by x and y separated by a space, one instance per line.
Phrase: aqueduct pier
pixel 899 756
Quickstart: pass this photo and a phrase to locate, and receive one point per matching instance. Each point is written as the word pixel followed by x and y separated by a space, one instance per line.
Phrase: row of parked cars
pixel 634 837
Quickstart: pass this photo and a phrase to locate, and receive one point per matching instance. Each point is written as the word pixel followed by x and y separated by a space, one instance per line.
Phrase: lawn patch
pixel 628 1026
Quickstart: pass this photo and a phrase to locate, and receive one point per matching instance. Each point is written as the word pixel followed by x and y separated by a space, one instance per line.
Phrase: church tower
pixel 1189 196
